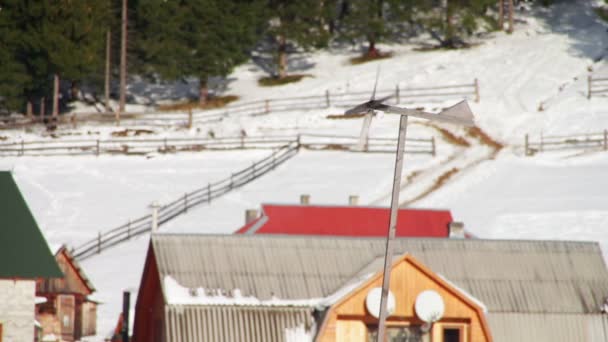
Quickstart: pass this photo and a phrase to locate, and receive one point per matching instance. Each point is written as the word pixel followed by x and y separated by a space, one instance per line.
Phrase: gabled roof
pixel 347 221
pixel 24 252
pixel 507 276
pixel 76 266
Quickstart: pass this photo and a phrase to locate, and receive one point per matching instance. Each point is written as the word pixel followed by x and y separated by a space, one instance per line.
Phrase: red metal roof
pixel 347 221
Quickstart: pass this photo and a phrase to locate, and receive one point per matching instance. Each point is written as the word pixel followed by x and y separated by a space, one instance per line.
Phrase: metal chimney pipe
pixel 250 215
pixel 304 199
pixel 126 301
pixel 353 200
pixel 155 206
pixel 456 230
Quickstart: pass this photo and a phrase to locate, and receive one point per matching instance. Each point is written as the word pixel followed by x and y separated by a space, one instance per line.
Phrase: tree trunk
pixel 372 52
pixel 203 92
pixel 74 90
pixel 510 30
pixel 501 14
pixel 449 29
pixel 282 56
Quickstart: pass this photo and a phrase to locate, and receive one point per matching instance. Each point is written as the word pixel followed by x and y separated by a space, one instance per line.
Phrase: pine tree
pixel 63 37
pixel 302 23
pixel 195 38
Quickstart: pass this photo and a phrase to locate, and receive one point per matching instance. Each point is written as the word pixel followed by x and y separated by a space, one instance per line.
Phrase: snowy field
pixel 543 64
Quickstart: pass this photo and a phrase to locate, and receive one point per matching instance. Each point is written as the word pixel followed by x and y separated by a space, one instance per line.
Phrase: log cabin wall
pixel 348 320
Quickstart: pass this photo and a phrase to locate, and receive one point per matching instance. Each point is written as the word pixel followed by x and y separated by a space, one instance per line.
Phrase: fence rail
pixel 287 148
pixel 181 205
pixel 131 146
pixel 590 141
pixel 597 85
pixel 259 107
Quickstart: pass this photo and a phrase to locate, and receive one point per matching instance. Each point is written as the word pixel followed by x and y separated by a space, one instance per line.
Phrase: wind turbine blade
pixel 460 110
pixel 425 115
pixel 375 83
pixel 363 137
pixel 358 109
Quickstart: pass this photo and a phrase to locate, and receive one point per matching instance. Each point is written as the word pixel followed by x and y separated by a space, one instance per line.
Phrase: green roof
pixel 24 252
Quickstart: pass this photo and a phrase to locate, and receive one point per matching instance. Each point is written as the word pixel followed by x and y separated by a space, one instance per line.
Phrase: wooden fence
pixel 133 146
pixel 596 85
pixel 259 107
pixel 590 141
pixel 181 205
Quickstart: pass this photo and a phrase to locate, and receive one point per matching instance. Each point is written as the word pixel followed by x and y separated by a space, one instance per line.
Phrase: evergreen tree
pixel 199 38
pixel 373 20
pixel 303 23
pixel 43 38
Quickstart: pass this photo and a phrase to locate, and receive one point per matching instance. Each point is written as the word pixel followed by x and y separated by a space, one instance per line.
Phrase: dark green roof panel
pixel 24 252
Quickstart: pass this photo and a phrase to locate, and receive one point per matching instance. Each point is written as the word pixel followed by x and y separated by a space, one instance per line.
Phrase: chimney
pixel 353 200
pixel 456 230
pixel 154 207
pixel 250 215
pixel 304 199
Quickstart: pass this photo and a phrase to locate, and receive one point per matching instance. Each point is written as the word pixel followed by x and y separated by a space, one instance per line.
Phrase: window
pixel 451 335
pixel 408 333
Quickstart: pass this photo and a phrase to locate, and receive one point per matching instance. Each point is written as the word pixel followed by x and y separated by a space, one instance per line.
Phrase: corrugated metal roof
pixel 243 324
pixel 507 276
pixel 509 327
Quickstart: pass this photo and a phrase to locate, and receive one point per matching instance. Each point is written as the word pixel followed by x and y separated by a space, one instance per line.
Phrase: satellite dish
pixel 429 306
pixel 372 302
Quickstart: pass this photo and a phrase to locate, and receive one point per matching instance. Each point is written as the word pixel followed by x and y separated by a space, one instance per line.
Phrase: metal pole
pixel 123 62
pixel 106 89
pixel 126 301
pixel 388 256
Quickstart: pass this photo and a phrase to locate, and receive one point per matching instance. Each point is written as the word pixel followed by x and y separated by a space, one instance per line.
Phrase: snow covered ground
pixel 508 196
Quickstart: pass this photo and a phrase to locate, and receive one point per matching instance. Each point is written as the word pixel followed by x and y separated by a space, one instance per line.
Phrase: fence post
pixel 433 146
pixel 589 87
pixel 208 192
pixel 266 106
pixel 541 142
pixel 185 202
pixel 189 118
pixel 477 97
pixel 274 160
pixel 231 180
pixel 97 148
pixel 22 148
pixel 526 145
pixel 129 229
pixel 165 144
pixel 253 169
pixel 327 102
pixel 605 140
pixel 298 141
pixel 397 93
pixel 98 242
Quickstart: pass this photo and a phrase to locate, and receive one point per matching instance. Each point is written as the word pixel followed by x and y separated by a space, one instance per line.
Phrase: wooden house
pixel 24 259
pixel 281 288
pixel 351 220
pixel 68 312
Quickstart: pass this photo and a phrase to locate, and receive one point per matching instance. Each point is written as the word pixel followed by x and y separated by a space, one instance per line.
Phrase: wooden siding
pixel 149 310
pixel 348 319
pixel 72 282
pixel 65 312
pixel 89 319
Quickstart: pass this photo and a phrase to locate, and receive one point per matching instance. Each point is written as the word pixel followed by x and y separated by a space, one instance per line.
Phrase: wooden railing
pixel 132 146
pixel 597 85
pixel 259 107
pixel 181 205
pixel 287 148
pixel 590 141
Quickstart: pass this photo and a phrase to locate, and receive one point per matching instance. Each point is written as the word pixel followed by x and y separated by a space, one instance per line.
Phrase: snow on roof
pixel 346 221
pixel 176 294
pixel 39 300
pixel 465 293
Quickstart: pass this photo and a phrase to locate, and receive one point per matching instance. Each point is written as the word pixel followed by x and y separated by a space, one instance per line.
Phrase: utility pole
pixel 510 30
pixel 501 14
pixel 126 301
pixel 107 78
pixel 123 63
